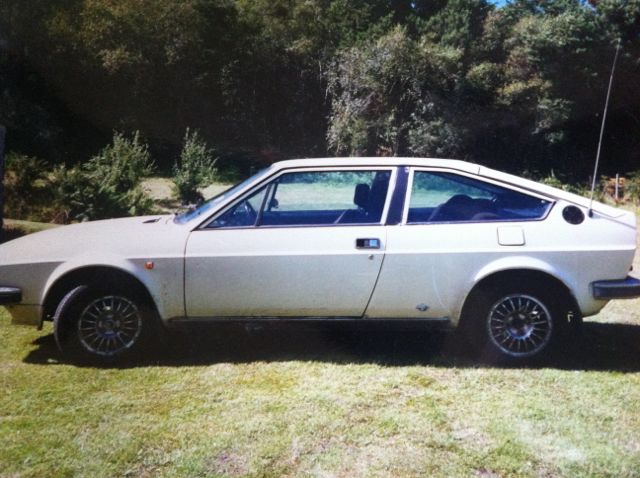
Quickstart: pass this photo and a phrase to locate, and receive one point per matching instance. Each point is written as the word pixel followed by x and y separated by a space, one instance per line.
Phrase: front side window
pixel 447 197
pixel 244 213
pixel 211 203
pixel 313 198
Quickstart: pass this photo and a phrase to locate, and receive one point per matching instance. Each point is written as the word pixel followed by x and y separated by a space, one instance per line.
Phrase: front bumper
pixel 616 289
pixel 10 295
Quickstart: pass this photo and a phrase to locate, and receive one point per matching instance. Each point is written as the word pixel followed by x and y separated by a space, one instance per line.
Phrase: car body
pixel 504 258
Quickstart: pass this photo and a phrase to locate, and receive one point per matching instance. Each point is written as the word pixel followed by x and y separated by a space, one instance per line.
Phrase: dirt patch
pixel 162 192
pixel 158 189
pixel 214 189
pixel 228 463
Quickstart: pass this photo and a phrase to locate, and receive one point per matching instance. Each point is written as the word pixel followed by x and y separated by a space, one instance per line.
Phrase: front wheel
pixel 105 325
pixel 109 326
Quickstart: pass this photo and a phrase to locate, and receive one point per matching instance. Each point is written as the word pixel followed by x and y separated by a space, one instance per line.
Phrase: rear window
pixel 447 197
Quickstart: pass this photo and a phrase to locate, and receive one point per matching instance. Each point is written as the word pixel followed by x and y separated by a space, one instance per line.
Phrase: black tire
pixel 514 323
pixel 107 324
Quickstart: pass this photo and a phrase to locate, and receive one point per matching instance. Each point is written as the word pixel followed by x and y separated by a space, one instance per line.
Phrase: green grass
pixel 14 228
pixel 306 401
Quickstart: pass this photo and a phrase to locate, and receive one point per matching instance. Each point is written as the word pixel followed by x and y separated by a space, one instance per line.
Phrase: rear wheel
pixel 514 323
pixel 519 325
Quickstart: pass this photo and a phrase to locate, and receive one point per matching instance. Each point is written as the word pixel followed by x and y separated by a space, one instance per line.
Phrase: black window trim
pixel 396 206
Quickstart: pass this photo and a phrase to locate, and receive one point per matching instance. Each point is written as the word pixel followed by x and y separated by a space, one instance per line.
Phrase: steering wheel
pixel 242 215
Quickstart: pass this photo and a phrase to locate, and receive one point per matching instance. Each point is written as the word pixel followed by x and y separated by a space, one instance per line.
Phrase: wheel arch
pixel 101 275
pixel 561 291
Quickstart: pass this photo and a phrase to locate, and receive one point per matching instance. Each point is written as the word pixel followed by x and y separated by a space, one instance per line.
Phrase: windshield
pixel 211 203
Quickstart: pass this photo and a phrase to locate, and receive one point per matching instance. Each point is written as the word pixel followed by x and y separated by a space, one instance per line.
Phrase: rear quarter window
pixel 448 197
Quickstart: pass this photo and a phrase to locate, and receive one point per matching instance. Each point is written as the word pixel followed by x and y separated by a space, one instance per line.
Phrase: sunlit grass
pixel 15 228
pixel 294 402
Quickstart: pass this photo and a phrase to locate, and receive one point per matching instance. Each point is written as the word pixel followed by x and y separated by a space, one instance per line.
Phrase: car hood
pixel 130 237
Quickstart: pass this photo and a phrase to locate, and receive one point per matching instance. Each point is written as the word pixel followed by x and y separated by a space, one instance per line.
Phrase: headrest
pixel 378 193
pixel 361 195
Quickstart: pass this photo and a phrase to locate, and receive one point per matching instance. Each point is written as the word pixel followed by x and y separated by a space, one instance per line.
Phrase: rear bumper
pixel 10 295
pixel 616 289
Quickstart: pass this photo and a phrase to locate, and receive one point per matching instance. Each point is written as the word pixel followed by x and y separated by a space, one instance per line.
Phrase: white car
pixel 507 260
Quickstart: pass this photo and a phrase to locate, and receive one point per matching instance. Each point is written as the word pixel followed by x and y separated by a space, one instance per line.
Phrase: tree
pixel 519 87
pixel 394 96
pixel 108 185
pixel 195 169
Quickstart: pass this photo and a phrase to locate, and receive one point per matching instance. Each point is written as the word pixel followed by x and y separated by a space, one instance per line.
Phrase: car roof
pixel 378 161
pixel 455 164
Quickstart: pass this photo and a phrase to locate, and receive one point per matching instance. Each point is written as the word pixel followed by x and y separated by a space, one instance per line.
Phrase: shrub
pixel 26 192
pixel 122 164
pixel 632 187
pixel 108 185
pixel 576 188
pixel 195 168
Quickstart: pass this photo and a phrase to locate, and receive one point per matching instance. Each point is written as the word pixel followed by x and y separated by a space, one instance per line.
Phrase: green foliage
pixel 25 184
pixel 229 174
pixel 632 187
pixel 106 186
pixel 483 80
pixel 196 167
pixel 392 97
pixel 517 86
pixel 458 24
pixel 581 189
pixel 434 138
pixel 121 165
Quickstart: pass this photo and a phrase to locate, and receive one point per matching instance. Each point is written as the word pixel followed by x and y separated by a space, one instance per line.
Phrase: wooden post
pixel 2 137
pixel 617 186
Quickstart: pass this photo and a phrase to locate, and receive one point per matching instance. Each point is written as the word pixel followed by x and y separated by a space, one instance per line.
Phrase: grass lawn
pixel 14 228
pixel 309 401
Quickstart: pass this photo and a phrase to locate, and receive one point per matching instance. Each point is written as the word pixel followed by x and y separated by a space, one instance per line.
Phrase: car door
pixel 309 242
pixel 453 225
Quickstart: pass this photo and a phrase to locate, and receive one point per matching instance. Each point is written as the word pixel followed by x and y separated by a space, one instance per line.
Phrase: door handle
pixel 368 243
